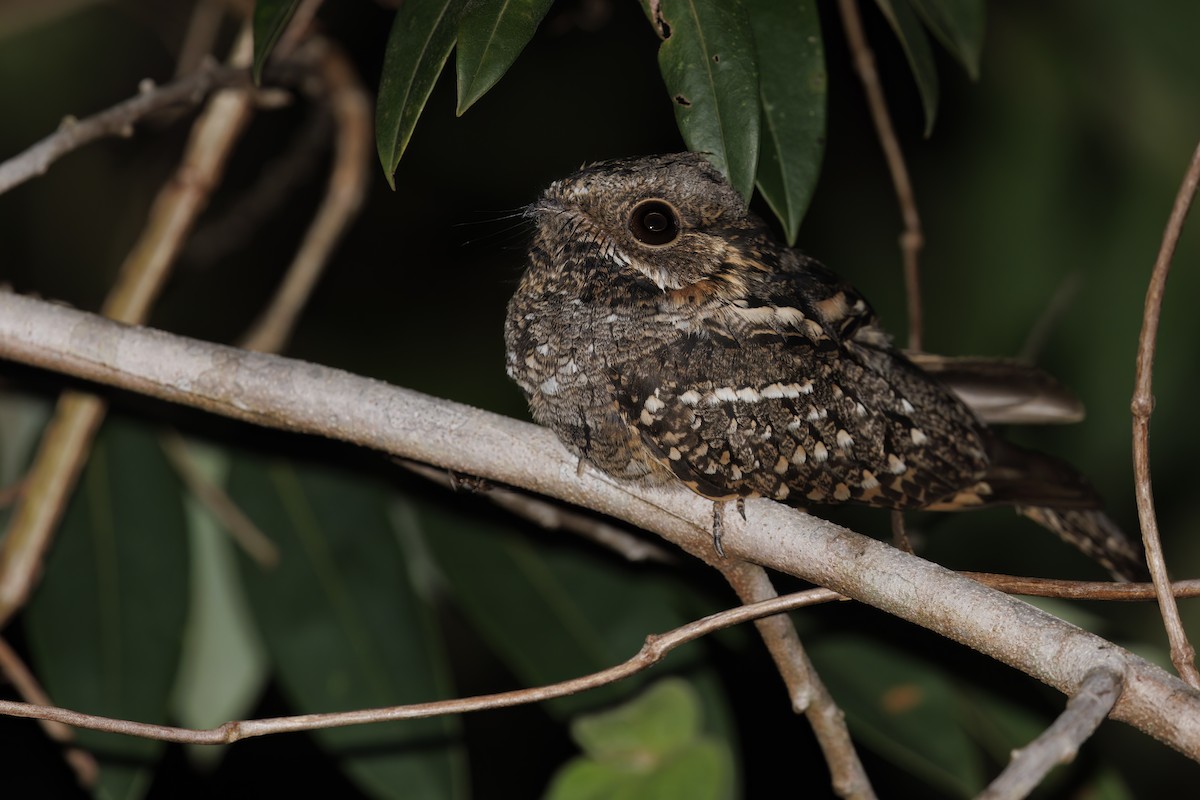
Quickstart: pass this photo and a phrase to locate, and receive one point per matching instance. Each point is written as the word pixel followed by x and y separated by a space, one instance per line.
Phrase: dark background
pixel 1054 173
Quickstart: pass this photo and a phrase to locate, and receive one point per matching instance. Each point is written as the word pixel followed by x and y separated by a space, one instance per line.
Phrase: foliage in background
pixel 1061 161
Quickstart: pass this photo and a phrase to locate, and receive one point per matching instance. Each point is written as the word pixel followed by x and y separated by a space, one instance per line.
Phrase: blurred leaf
pixel 224 665
pixel 577 615
pixel 106 624
pixel 958 25
pixel 905 711
pixel 343 626
pixel 492 34
pixel 792 82
pixel 708 62
pixel 22 418
pixel 420 42
pixel 649 747
pixel 918 51
pixel 996 723
pixel 664 718
pixel 271 18
pixel 1108 784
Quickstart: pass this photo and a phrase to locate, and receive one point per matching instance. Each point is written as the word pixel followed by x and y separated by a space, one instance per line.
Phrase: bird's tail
pixel 1096 536
pixel 1055 495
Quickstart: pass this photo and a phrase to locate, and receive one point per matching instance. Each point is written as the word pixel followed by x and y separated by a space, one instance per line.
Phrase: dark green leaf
pixel 958 25
pixel 905 712
pixel 224 665
pixel 649 747
pixel 917 50
pixel 270 19
pixel 577 615
pixel 792 82
pixel 106 624
pixel 578 611
pixel 707 60
pixel 492 34
pixel 420 42
pixel 342 624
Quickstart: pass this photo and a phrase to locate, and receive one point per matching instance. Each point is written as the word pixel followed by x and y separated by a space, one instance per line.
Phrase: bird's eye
pixel 654 222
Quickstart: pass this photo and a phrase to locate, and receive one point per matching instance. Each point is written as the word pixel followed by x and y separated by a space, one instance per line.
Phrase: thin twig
pixel 68 436
pixel 1183 655
pixel 118 120
pixel 1060 301
pixel 256 544
pixel 653 651
pixel 912 240
pixel 351 107
pixel 1081 590
pixel 1059 743
pixel 81 762
pixel 307 398
pixel 808 693
pixel 275 185
pixel 555 517
pixel 899 534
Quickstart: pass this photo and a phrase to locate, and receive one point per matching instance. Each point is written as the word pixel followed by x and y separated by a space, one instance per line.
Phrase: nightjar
pixel 664 334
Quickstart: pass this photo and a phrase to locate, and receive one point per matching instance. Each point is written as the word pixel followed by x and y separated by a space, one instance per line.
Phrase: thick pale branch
pixel 283 393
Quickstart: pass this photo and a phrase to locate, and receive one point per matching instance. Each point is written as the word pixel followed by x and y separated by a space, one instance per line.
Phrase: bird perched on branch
pixel 664 334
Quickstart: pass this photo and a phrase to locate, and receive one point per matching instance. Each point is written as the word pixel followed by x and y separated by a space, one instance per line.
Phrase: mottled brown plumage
pixel 662 332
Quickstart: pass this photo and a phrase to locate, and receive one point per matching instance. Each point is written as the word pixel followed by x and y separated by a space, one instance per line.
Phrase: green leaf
pixel 271 18
pixel 224 665
pixel 552 610
pixel 492 34
pixel 906 712
pixel 577 614
pixel 649 747
pixel 420 42
pixel 792 83
pixel 708 62
pixel 918 51
pixel 663 719
pixel 958 25
pixel 343 626
pixel 106 625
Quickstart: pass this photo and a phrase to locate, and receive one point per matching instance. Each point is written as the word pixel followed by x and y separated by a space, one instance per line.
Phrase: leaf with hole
pixel 707 59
